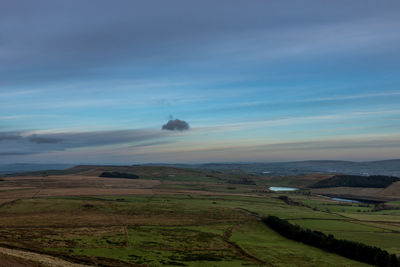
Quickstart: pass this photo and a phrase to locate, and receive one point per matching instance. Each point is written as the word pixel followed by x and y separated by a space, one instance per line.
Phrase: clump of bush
pixel 383 206
pixel 119 175
pixel 245 181
pixel 292 202
pixel 349 249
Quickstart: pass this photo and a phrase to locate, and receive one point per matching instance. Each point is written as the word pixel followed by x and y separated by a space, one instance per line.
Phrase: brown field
pixel 20 228
pixel 77 185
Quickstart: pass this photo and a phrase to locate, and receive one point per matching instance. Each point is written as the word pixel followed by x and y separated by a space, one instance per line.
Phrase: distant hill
pixel 144 172
pixel 385 167
pixel 27 167
pixel 152 172
pixel 375 181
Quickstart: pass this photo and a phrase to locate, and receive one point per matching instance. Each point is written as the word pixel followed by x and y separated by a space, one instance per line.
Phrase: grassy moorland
pixel 192 221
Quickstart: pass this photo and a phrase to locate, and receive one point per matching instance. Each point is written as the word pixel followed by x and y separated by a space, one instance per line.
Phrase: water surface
pixel 281 188
pixel 344 199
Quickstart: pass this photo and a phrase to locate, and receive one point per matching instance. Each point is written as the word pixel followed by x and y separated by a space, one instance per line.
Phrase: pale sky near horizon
pixel 94 81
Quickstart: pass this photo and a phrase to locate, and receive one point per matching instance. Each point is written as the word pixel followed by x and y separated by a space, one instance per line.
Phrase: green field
pixel 182 230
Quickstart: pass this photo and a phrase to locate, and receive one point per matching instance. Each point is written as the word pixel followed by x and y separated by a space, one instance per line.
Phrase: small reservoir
pixel 280 188
pixel 344 199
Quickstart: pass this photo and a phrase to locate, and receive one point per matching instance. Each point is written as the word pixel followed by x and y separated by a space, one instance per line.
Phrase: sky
pixel 125 82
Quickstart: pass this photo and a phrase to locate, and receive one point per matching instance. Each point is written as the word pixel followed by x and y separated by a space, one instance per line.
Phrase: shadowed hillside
pixel 375 181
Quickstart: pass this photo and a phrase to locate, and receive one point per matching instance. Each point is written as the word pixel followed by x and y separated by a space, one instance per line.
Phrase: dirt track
pixel 41 259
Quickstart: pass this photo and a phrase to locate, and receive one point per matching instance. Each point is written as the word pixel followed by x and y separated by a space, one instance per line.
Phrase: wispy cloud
pixel 7 136
pixel 346 97
pixel 364 147
pixel 40 142
pixel 296 120
pixel 30 116
pixel 17 93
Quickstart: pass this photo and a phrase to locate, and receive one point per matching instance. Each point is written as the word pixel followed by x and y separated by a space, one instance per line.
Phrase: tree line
pixel 375 181
pixel 349 249
pixel 119 175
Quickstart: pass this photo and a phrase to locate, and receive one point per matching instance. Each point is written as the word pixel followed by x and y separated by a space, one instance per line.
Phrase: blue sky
pixel 255 80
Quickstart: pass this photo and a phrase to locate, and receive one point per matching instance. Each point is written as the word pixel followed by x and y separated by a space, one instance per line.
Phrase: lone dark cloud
pixel 176 125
